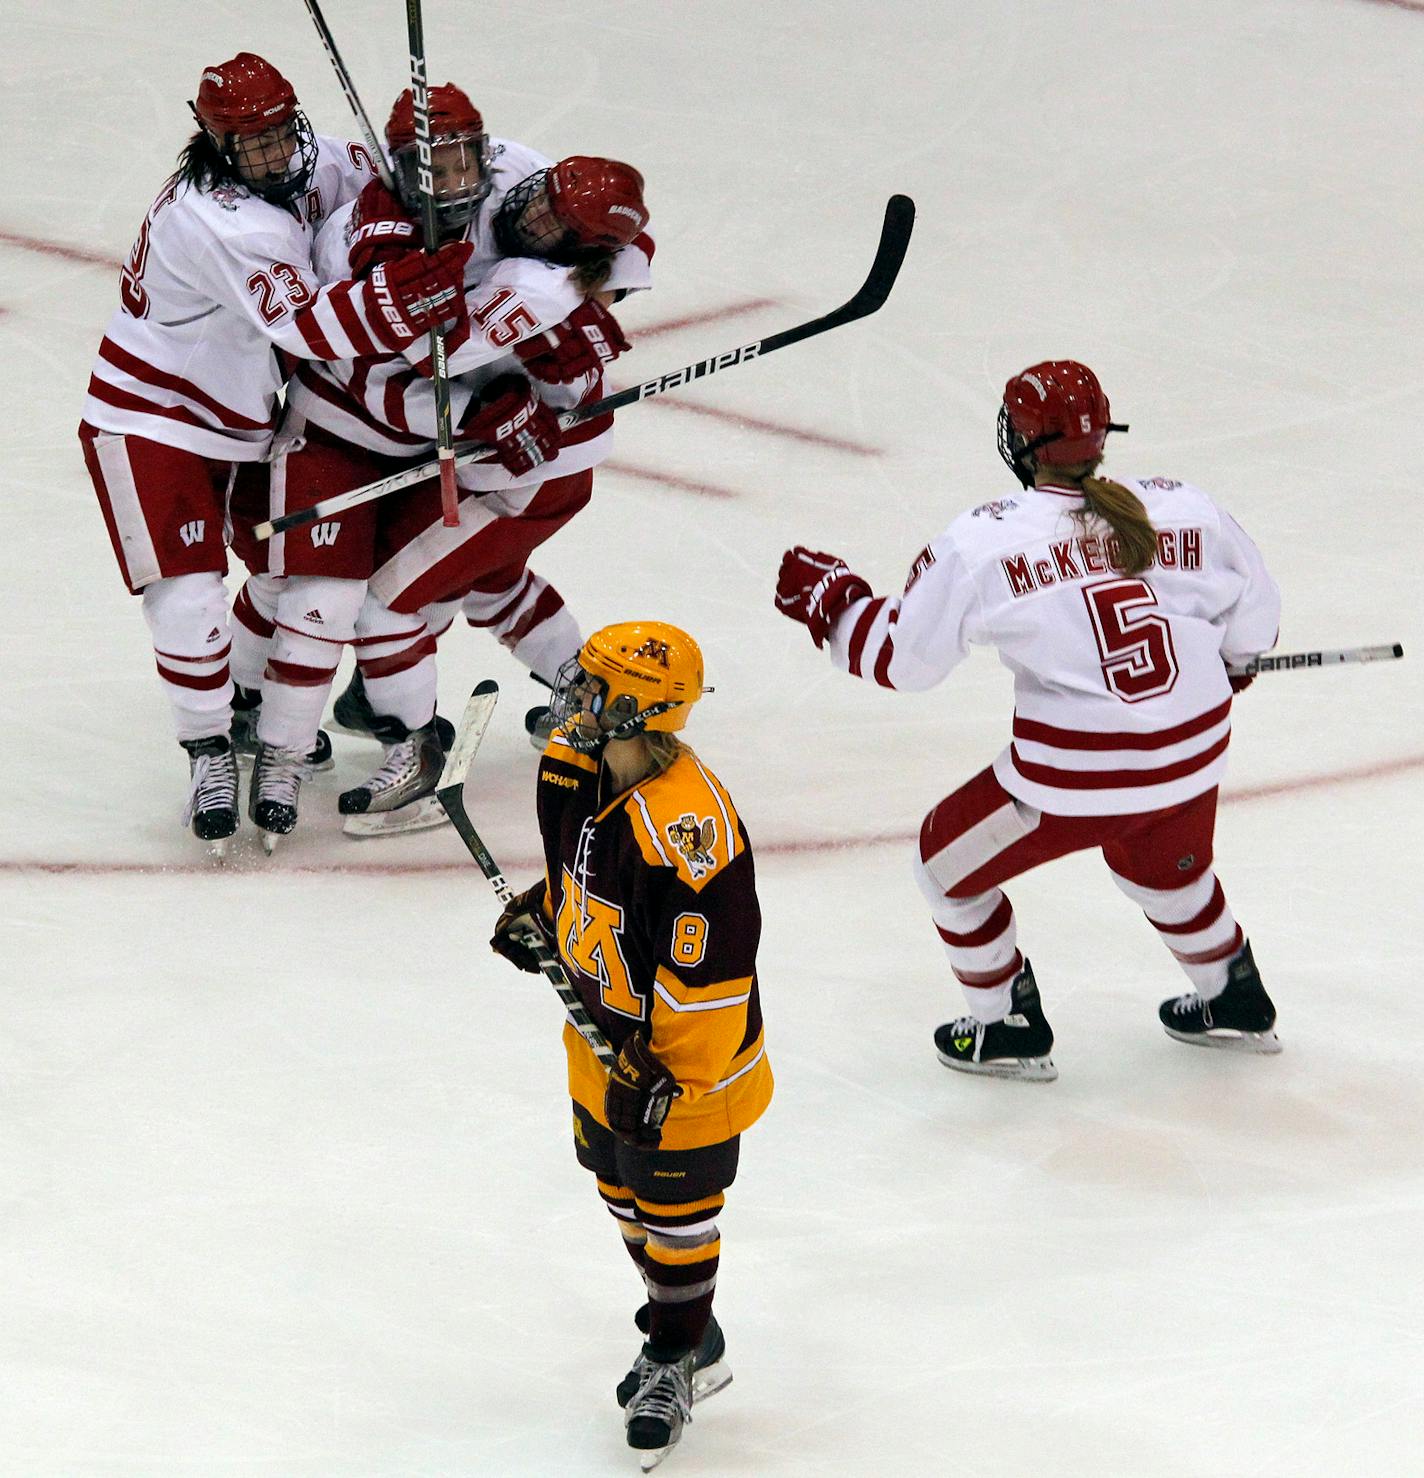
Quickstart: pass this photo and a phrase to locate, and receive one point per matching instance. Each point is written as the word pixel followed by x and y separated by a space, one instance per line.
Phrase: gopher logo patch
pixel 694 839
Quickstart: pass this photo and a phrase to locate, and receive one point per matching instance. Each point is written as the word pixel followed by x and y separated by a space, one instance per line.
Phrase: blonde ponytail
pixel 1133 544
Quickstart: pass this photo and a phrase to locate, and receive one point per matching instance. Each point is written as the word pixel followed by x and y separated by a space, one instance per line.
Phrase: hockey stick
pixel 430 225
pixel 373 144
pixel 1291 661
pixel 450 792
pixel 894 242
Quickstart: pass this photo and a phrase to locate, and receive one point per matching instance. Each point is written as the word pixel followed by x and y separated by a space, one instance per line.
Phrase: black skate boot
pixel 405 783
pixel 539 724
pixel 277 776
pixel 710 1371
pixel 212 793
pixel 659 1409
pixel 1241 1018
pixel 1016 1047
pixel 352 713
pixel 247 709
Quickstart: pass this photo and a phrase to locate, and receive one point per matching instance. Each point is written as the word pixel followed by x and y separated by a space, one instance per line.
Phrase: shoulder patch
pixel 995 510
pixel 1164 484
pixel 695 839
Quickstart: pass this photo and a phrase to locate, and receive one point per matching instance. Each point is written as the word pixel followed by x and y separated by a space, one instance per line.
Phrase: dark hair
pixel 1123 512
pixel 200 163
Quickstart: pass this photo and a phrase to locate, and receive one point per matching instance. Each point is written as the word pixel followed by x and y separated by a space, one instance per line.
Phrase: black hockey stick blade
pixel 1326 657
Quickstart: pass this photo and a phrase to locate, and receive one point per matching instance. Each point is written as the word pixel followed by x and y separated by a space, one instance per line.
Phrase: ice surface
pixel 287 1182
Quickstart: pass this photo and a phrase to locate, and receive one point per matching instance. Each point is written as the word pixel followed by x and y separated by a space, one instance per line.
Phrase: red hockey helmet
pixel 249 111
pixel 456 129
pixel 245 96
pixel 599 200
pixel 1054 414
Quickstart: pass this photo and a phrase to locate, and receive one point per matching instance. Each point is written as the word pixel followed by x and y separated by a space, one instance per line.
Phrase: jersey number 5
pixel 1134 642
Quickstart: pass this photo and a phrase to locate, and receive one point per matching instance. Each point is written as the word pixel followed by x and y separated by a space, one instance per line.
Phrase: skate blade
pixel 710 1379
pixel 1027 1069
pixel 650 1459
pixel 420 815
pixel 1263 1044
pixel 217 849
pixel 270 840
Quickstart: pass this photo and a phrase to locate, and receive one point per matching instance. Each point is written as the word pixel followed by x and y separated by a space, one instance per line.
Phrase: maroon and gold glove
pixel 508 416
pixel 814 588
pixel 639 1094
pixel 586 340
pixel 381 228
pixel 523 915
pixel 412 293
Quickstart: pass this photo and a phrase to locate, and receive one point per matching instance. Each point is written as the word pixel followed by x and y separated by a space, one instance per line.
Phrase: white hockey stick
pixel 450 792
pixel 889 255
pixel 363 121
pixel 1328 657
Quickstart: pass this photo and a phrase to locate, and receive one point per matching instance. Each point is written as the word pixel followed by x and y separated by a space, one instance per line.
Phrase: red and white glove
pixel 412 293
pixel 1239 681
pixel 508 416
pixel 381 228
pixel 814 588
pixel 585 341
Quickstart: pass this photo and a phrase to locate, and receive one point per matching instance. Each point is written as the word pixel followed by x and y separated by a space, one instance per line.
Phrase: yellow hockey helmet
pixel 627 678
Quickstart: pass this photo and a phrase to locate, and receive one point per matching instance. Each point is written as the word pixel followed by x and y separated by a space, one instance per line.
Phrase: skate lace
pixel 664 1393
pixel 213 785
pixel 965 1026
pixel 1185 1005
pixel 399 765
pixel 281 775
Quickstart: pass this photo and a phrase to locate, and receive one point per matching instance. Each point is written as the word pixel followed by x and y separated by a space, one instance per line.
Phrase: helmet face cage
pixel 525 226
pixel 582 708
pixel 454 208
pixel 249 158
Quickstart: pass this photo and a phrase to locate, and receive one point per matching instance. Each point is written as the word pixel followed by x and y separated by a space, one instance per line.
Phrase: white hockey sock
pixel 316 617
pixel 254 614
pixel 1195 923
pixel 439 615
pixel 980 936
pixel 187 618
pixel 531 620
pixel 397 658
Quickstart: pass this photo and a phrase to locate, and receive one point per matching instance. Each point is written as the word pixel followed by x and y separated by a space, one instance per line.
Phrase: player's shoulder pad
pixel 684 819
pixel 561 765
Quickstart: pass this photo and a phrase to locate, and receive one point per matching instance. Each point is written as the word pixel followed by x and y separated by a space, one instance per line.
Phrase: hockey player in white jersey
pixel 1117 605
pixel 547 240
pixel 217 288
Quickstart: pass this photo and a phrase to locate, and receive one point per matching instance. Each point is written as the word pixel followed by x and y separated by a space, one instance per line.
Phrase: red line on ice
pixel 250 867
pixel 58 249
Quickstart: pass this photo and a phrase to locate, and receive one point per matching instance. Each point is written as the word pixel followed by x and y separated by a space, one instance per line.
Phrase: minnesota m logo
pixel 192 532
pixel 325 533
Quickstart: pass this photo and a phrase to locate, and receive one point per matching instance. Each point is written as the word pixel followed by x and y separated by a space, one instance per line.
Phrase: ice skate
pixel 659 1409
pixel 710 1371
pixel 352 714
pixel 400 796
pixel 1016 1047
pixel 1241 1019
pixel 539 725
pixel 212 795
pixel 247 709
pixel 277 776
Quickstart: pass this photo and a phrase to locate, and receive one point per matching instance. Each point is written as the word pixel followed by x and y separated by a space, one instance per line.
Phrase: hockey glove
pixel 583 343
pixel 415 292
pixel 508 416
pixel 814 588
pixel 381 228
pixel 639 1094
pixel 523 915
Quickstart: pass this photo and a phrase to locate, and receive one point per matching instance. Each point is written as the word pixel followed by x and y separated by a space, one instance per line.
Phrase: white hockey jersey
pixel 386 402
pixel 1121 700
pixel 217 281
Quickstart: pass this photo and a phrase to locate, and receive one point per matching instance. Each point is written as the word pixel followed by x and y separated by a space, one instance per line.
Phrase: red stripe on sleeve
pixel 862 631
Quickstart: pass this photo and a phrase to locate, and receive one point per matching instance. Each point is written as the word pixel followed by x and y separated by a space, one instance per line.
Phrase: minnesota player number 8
pixel 1134 642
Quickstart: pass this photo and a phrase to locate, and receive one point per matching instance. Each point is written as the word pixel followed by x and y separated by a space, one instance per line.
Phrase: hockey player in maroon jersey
pixel 185 384
pixel 536 341
pixel 649 898
pixel 1117 604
